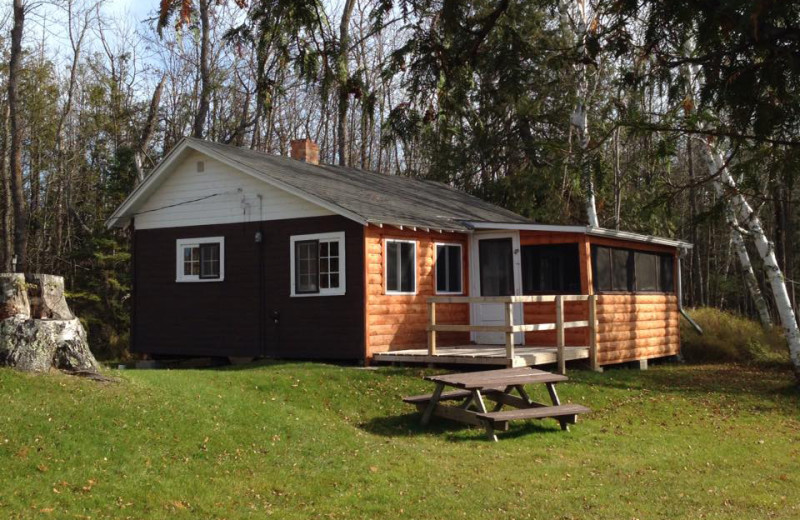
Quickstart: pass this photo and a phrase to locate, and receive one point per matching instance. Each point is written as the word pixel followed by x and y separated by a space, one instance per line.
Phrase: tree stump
pixel 13 296
pixel 38 331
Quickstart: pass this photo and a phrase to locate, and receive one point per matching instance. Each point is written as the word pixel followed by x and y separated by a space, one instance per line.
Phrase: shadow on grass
pixel 408 425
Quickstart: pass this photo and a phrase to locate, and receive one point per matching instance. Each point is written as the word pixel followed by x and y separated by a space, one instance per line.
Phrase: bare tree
pixel 15 164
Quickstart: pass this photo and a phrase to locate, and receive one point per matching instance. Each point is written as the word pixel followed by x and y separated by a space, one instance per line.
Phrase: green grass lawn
pixel 318 441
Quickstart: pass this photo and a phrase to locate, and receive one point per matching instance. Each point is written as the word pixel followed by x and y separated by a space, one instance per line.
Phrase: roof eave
pixel 588 230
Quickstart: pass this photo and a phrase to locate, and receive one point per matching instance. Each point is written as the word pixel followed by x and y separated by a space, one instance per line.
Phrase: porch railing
pixel 510 328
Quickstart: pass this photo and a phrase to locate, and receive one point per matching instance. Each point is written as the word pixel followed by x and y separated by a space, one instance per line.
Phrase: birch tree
pixel 579 23
pixel 692 77
pixel 765 250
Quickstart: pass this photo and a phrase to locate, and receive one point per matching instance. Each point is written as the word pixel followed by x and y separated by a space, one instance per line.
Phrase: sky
pixel 138 9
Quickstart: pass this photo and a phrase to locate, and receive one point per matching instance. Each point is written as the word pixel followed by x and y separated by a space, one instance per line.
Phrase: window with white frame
pixel 317 264
pixel 200 259
pixel 401 267
pixel 448 268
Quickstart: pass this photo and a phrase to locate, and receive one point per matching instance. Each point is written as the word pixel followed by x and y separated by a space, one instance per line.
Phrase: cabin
pixel 236 253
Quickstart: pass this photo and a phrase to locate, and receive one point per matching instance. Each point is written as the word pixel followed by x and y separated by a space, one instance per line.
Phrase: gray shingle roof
pixel 377 198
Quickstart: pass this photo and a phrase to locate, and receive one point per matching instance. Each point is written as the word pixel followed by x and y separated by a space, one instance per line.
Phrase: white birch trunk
pixel 579 121
pixel 744 260
pixel 764 247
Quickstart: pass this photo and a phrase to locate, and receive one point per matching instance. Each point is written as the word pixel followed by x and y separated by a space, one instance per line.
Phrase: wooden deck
pixel 483 355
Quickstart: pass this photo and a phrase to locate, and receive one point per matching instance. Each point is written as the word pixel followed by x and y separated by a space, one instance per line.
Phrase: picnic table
pixel 496 386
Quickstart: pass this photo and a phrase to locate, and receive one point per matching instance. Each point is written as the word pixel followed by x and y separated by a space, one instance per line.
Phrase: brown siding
pixel 230 318
pixel 211 318
pixel 396 321
pixel 316 327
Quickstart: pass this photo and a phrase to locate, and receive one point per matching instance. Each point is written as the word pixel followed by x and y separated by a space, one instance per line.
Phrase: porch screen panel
pixel 601 267
pixel 667 275
pixel 621 270
pixel 496 264
pixel 647 265
pixel 551 269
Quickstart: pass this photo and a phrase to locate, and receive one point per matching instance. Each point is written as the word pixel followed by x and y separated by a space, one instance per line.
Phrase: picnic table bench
pixel 496 386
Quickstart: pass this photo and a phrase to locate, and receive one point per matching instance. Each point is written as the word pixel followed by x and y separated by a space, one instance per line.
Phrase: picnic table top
pixel 496 378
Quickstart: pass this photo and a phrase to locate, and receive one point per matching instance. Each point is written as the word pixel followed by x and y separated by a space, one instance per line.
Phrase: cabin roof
pixel 364 196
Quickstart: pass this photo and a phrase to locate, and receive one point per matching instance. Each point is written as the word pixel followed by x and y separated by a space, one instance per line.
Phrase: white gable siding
pixel 185 183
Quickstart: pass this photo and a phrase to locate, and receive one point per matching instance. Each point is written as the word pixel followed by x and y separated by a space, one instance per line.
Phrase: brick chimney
pixel 305 150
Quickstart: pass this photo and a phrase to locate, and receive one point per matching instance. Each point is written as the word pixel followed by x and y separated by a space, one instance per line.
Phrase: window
pixel 200 259
pixel 317 264
pixel 625 270
pixel 551 269
pixel 448 268
pixel 401 267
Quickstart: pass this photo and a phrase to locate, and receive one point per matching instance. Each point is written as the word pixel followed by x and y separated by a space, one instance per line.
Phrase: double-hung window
pixel 317 264
pixel 200 259
pixel 401 267
pixel 448 269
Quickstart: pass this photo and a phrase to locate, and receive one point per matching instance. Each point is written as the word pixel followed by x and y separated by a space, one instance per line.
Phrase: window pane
pixel 334 265
pixel 306 266
pixel 334 284
pixel 667 274
pixel 407 268
pixel 392 266
pixel 323 281
pixel 441 268
pixel 334 248
pixel 454 264
pixel 646 271
pixel 209 261
pixel 323 249
pixel 621 270
pixel 323 266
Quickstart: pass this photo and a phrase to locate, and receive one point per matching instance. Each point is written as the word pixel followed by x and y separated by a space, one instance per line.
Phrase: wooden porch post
pixel 593 333
pixel 431 330
pixel 509 332
pixel 562 364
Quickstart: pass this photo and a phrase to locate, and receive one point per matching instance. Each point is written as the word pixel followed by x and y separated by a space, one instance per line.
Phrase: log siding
pixel 631 326
pixel 398 321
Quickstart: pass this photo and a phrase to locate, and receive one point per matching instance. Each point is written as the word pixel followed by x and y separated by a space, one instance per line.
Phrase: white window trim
pixel 184 242
pixel 386 266
pixel 322 237
pixel 436 265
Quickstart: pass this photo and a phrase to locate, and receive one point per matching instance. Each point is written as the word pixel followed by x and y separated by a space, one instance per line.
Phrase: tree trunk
pixel 766 251
pixel 37 330
pixel 205 73
pixel 148 130
pixel 17 188
pixel 343 74
pixel 6 223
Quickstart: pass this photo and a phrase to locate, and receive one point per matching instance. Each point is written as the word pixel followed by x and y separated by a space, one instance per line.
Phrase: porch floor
pixel 482 355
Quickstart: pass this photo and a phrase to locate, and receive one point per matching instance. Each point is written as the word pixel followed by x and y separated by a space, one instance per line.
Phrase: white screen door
pixel 495 272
